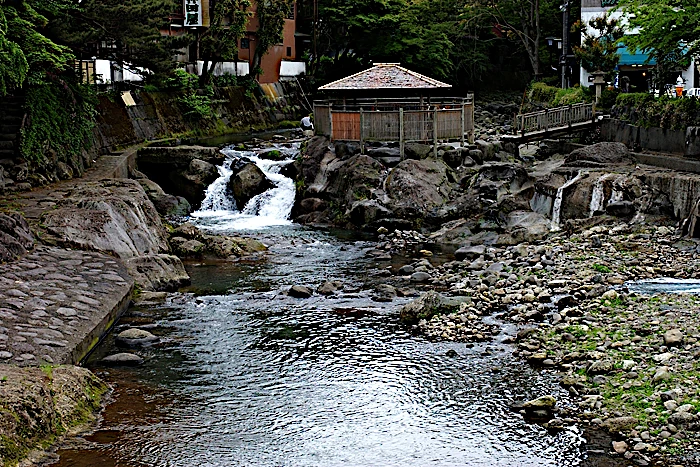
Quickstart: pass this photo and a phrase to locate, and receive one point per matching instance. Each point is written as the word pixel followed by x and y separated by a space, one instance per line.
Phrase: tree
pixel 669 31
pixel 516 19
pixel 128 29
pixel 599 43
pixel 220 41
pixel 27 53
pixel 271 15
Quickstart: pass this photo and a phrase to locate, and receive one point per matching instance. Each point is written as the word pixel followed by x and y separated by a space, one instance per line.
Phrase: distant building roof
pixel 385 76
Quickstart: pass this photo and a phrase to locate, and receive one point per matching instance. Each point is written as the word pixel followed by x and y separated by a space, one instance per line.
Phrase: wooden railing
pixel 553 119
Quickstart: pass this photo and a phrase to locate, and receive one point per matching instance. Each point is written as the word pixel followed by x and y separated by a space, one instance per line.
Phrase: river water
pixel 247 376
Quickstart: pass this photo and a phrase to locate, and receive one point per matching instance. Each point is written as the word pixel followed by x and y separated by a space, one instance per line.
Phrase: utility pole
pixel 564 59
pixel 315 38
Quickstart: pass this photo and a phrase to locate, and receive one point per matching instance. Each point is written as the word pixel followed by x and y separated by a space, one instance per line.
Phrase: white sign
pixel 193 13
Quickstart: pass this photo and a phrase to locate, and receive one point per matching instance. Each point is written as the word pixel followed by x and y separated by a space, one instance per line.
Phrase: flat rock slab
pixel 55 304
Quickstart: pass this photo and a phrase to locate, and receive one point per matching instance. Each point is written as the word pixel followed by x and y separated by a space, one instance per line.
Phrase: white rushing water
pixel 273 207
pixel 556 209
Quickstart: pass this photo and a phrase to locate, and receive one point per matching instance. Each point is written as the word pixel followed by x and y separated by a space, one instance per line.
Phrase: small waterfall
pixel 556 209
pixel 215 198
pixel 598 195
pixel 273 207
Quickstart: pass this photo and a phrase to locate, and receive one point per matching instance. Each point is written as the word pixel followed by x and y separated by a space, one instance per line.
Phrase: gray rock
pixel 406 270
pixel 673 337
pixel 469 252
pixel 158 272
pixel 429 305
pixel 366 211
pixel 601 153
pixel 134 337
pixel 300 291
pixel 125 359
pixel 662 374
pixel 420 276
pixel 384 293
pixel 329 287
pixel 248 182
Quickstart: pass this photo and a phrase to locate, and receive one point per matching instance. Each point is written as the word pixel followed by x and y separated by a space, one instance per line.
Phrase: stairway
pixel 11 115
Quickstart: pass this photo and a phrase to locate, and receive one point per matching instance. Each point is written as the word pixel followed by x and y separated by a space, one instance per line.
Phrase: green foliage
pixel 61 116
pixel 540 92
pixel 129 30
pixel 197 104
pixel 644 110
pixel 271 18
pixel 27 53
pixel 573 95
pixel 608 98
pixel 598 50
pixel 600 268
pixel 219 42
pixel 668 31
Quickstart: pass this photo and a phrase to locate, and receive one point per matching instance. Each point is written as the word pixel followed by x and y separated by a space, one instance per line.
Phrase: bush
pixel 573 95
pixel 645 110
pixel 197 103
pixel 608 98
pixel 540 92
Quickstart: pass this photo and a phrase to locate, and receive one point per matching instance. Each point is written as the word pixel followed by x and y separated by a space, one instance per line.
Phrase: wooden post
pixel 461 142
pixel 401 136
pixel 570 115
pixel 522 125
pixel 330 118
pixel 362 127
pixel 546 120
pixel 435 113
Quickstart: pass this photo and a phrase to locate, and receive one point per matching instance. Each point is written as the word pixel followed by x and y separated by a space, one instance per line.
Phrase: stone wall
pixel 155 115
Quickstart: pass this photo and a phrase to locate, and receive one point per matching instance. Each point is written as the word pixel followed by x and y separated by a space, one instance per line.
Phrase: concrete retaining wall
pixel 143 116
pixel 652 139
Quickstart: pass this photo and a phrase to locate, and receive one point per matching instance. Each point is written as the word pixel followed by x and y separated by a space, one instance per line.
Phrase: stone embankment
pixel 73 254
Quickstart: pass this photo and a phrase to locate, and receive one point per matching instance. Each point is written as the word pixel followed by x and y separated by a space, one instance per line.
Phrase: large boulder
pixel 247 183
pixel 600 154
pixel 15 237
pixel 116 217
pixel 113 216
pixel 366 211
pixel 353 179
pixel 166 205
pixel 495 181
pixel 416 187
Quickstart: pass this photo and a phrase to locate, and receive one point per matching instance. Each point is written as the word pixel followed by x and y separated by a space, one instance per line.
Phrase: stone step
pixel 8 136
pixel 7 154
pixel 8 145
pixel 6 129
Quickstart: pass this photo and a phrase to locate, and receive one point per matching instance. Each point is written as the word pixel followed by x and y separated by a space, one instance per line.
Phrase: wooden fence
pixel 401 121
pixel 553 119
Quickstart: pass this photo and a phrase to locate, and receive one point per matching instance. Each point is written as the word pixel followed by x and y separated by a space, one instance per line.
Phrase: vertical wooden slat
pixel 435 132
pixel 401 135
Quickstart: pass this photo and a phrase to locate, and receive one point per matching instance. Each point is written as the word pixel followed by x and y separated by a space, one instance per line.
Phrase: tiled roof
pixel 385 76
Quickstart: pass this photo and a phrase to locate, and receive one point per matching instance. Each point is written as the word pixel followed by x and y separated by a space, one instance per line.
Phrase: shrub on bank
pixel 552 96
pixel 645 110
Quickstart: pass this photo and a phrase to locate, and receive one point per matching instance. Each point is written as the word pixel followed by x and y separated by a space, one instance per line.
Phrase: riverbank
pixel 74 255
pixel 631 357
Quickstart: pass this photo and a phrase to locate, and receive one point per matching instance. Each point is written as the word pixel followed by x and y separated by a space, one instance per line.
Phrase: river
pixel 247 376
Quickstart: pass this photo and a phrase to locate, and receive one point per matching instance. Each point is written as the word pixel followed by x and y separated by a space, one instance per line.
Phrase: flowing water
pixel 247 376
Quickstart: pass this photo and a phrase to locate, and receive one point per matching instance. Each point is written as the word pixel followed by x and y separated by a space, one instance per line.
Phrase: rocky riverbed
pixel 632 358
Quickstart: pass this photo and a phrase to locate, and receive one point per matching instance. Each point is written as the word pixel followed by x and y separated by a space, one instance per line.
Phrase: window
pixel 289 51
pixel 245 43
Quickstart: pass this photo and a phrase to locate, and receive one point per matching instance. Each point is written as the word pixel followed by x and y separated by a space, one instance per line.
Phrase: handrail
pixel 554 118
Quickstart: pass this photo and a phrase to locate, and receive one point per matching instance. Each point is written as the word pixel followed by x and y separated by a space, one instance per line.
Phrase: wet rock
pixel 123 359
pixel 621 209
pixel 618 424
pixel 384 293
pixel 543 402
pixel 134 337
pixel 366 211
pixel 247 183
pixel 601 153
pixel 429 305
pixel 300 291
pixel 329 287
